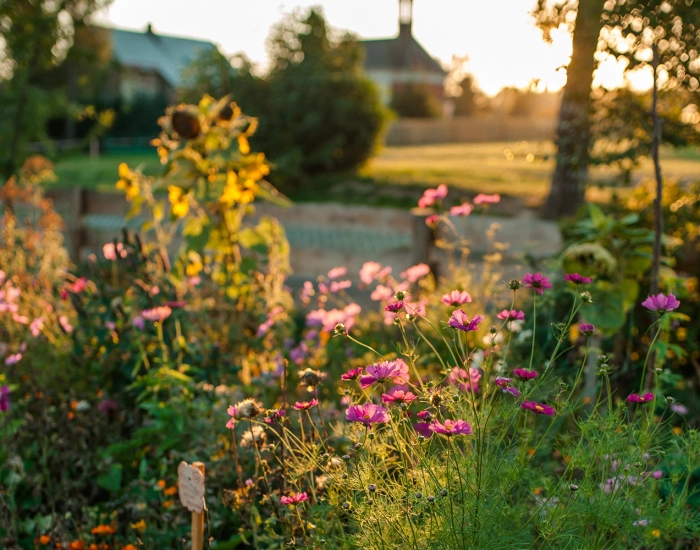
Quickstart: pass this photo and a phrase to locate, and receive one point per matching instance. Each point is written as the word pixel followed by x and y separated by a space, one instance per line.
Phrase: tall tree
pixel 37 36
pixel 627 30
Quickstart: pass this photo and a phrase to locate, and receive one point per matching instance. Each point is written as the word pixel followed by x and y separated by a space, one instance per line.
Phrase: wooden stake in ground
pixel 191 490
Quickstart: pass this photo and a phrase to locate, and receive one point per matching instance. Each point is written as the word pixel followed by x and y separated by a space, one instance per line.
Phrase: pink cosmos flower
pixel 160 313
pixel 538 408
pixel 577 279
pixel 373 270
pixel 511 315
pixel 537 282
pixel 430 196
pixel 337 272
pixel 657 474
pixel 634 398
pixel 504 384
pixel 367 414
pixel 294 499
pixel 524 374
pixel 461 210
pixel 382 372
pixel 21 319
pixel 451 427
pixel 337 286
pixel 423 428
pixel 65 324
pixel 586 329
pixel 13 359
pixel 394 307
pixel 111 251
pixel 138 322
pixel 432 221
pixel 661 303
pixel 460 321
pixel 381 293
pixel 481 198
pixel 398 395
pixel 4 399
pixel 352 374
pixel 412 274
pixel 456 298
pixel 232 411
pixel 305 405
pixel 459 377
pixel 77 286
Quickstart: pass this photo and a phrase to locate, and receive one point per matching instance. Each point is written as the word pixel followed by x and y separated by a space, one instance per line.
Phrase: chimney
pixel 405 17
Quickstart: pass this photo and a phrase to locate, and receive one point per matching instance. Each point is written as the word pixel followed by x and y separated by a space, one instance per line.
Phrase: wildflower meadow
pixel 544 405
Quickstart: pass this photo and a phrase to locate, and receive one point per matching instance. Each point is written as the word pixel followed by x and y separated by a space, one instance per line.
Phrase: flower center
pixel 539 408
pixel 366 417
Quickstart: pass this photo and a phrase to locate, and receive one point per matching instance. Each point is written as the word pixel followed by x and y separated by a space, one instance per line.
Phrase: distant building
pixel 395 62
pixel 150 64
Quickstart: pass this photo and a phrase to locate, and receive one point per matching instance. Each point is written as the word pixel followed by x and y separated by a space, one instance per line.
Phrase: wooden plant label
pixel 191 487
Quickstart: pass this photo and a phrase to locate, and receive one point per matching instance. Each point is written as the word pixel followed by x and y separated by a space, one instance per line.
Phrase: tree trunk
pixel 573 130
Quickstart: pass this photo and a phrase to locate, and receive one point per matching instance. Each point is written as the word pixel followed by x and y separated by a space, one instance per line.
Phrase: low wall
pixel 421 131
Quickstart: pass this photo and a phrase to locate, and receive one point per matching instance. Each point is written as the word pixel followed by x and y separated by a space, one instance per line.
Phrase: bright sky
pixel 510 53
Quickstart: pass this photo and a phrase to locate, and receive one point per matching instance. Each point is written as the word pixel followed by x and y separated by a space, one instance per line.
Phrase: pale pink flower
pixel 36 326
pixel 456 298
pixel 65 324
pixel 430 196
pixel 111 251
pixel 13 359
pixel 461 210
pixel 337 272
pixel 412 274
pixel 481 198
pixel 21 319
pixel 381 293
pixel 160 313
pixel 337 286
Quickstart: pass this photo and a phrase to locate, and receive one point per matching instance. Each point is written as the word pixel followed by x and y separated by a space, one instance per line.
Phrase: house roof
pixel 400 53
pixel 167 55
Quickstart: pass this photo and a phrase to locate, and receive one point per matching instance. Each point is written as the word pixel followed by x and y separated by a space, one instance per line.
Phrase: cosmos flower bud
pixel 400 295
pixel 515 284
pixel 573 487
pixel 586 297
pixel 340 330
pixel 371 487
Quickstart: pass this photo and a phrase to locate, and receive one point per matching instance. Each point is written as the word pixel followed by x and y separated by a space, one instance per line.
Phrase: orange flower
pixel 129 547
pixel 93 547
pixel 103 530
pixel 170 491
pixel 168 503
pixel 44 539
pixel 161 483
pixel 77 545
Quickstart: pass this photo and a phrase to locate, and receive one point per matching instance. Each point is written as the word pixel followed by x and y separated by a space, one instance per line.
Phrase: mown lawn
pixel 519 169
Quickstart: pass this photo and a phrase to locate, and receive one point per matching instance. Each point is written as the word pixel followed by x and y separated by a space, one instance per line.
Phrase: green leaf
pixel 112 480
pixel 607 312
pixel 597 216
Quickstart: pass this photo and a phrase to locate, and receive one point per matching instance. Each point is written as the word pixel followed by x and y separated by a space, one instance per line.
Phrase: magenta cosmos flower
pixel 305 405
pixel 481 198
pixel 537 282
pixel 634 398
pixel 661 303
pixel 461 210
pixel 381 372
pixel 511 315
pixel 577 279
pixel 504 385
pixel 431 195
pixel 460 321
pixel 4 399
pixel 398 395
pixel 160 313
pixel 524 374
pixel 432 221
pixel 352 374
pixel 294 499
pixel 275 416
pixel 394 307
pixel 586 328
pixel 367 414
pixel 538 408
pixel 456 298
pixel 423 428
pixel 451 427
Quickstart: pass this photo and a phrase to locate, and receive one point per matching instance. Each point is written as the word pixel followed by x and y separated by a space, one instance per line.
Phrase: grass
pixel 399 174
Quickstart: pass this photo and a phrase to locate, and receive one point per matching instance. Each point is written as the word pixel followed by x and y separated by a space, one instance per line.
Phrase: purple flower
pixel 511 315
pixel 423 428
pixel 587 329
pixel 138 322
pixel 661 303
pixel 537 282
pixel 504 384
pixel 634 398
pixel 524 374
pixel 657 474
pixel 431 195
pixel 451 427
pixel 460 321
pixel 108 407
pixel 275 416
pixel 294 499
pixel 352 374
pixel 305 405
pixel 367 414
pixel 4 399
pixel 13 359
pixel 679 408
pixel 461 210
pixel 577 279
pixel 394 307
pixel 425 415
pixel 398 395
pixel 456 298
pixel 538 408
